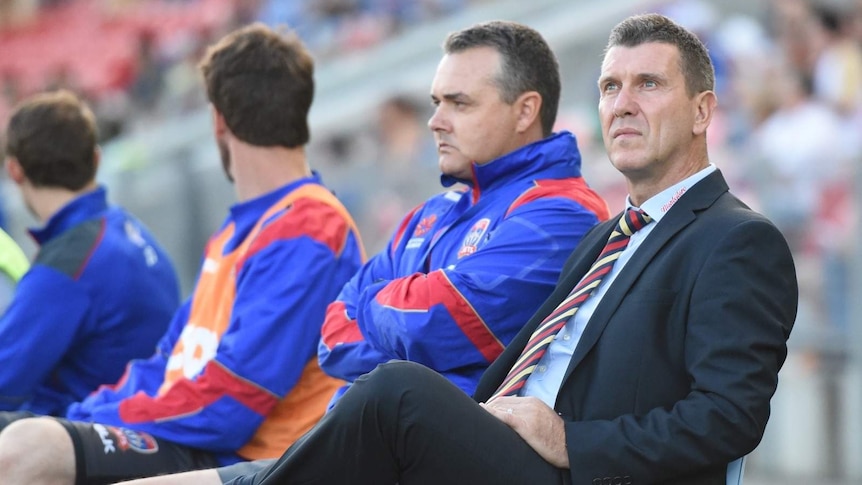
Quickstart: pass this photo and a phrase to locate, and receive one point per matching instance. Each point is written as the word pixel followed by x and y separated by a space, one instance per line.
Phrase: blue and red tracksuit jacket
pixel 237 374
pixel 100 292
pixel 465 270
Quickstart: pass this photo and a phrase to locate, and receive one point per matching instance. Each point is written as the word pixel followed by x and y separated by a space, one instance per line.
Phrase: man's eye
pixel 650 84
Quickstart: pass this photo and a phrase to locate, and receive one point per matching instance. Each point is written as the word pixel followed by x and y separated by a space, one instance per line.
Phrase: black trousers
pixel 404 424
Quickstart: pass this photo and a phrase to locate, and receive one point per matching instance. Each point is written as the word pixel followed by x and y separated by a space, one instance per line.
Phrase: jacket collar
pixel 556 156
pixel 82 208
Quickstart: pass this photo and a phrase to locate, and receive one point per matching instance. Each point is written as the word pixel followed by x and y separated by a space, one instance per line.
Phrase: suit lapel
pixel 574 269
pixel 684 212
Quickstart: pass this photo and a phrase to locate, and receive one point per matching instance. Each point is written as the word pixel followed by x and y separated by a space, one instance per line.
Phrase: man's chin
pixel 459 171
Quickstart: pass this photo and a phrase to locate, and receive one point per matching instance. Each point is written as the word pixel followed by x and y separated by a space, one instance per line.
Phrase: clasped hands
pixel 536 423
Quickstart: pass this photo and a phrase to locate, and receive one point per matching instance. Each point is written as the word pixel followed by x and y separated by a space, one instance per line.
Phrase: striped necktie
pixel 632 221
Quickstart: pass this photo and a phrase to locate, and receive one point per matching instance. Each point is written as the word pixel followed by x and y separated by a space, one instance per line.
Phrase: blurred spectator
pixel 61 77
pixel 745 103
pixel 17 12
pixel 404 166
pixel 182 84
pixel 794 29
pixel 837 73
pixel 790 145
pixel 383 170
pixel 11 90
pixel 10 93
pixel 149 80
pixel 837 81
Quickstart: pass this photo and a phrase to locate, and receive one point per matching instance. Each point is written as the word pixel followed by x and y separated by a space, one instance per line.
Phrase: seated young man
pixel 101 290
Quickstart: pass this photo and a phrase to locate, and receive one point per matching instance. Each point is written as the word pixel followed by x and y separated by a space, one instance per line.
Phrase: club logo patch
pixel 137 441
pixel 474 237
pixel 425 225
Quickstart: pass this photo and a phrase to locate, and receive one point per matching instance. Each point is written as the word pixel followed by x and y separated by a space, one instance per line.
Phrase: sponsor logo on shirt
pixel 474 237
pixel 673 200
pixel 210 266
pixel 198 345
pixel 135 236
pixel 105 436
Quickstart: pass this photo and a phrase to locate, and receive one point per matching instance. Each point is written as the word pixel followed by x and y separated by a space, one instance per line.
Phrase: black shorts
pixel 108 454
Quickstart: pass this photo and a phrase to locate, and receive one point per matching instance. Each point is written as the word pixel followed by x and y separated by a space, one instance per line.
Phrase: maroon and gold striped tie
pixel 632 221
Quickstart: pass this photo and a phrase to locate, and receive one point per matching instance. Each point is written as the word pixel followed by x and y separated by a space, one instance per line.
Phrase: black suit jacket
pixel 673 375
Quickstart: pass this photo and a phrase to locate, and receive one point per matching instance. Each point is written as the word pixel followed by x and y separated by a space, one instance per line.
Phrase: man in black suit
pixel 665 372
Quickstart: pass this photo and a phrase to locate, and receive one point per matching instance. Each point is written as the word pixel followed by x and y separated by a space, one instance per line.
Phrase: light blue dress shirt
pixel 547 378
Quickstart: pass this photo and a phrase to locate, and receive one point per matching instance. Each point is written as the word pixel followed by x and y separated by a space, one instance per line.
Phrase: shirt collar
pixel 658 205
pixel 248 211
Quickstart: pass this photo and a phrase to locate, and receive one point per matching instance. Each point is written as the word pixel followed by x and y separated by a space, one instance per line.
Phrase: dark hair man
pixel 101 290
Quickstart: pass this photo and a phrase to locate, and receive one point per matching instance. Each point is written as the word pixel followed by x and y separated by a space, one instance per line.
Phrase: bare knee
pixel 199 477
pixel 36 451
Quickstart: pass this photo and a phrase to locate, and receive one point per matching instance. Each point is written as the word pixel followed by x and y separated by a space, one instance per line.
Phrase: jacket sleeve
pixel 463 315
pixel 343 352
pixel 274 327
pixel 740 313
pixel 37 319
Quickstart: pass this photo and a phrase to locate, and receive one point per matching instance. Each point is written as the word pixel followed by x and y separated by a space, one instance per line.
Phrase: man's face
pixel 470 122
pixel 646 114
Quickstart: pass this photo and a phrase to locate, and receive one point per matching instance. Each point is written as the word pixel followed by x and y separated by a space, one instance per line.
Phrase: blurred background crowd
pixel 788 138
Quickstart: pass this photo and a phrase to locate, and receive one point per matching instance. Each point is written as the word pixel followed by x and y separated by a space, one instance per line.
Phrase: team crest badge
pixel 134 440
pixel 474 237
pixel 424 225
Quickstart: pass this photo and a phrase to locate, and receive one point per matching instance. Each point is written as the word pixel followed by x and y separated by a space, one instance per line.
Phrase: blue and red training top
pixel 466 269
pixel 100 292
pixel 236 374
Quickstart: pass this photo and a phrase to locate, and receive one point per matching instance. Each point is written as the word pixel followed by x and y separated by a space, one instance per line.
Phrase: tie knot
pixel 633 221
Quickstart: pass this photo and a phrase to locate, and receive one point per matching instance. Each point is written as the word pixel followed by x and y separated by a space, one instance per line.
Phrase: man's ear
pixel 219 124
pixel 15 170
pixel 705 106
pixel 529 105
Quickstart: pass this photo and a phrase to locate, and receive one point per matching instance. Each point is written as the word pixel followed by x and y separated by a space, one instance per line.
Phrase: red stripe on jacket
pixel 187 397
pixel 338 328
pixel 399 234
pixel 575 189
pixel 301 220
pixel 421 292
